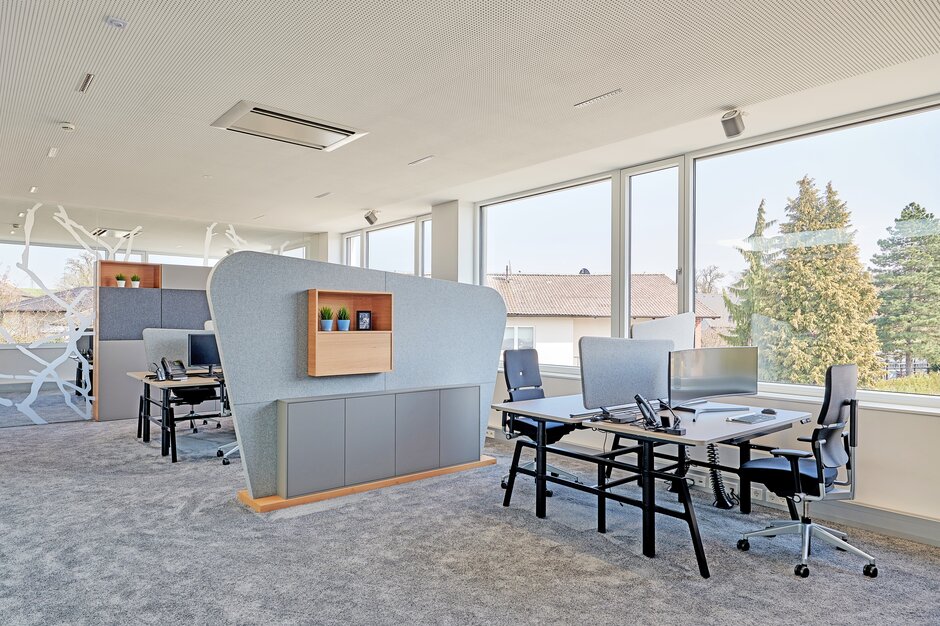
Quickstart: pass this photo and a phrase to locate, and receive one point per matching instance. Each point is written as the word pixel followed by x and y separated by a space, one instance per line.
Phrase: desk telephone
pixel 170 370
pixel 652 420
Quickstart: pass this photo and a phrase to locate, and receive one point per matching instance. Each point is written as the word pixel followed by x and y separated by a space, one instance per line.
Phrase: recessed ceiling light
pixel 33 189
pixel 590 101
pixel 258 217
pixel 179 246
pixel 422 160
pixel 53 151
pixel 86 83
pixel 21 214
pixel 207 176
pixel 116 22
pixel 12 232
pixel 323 195
pixel 67 126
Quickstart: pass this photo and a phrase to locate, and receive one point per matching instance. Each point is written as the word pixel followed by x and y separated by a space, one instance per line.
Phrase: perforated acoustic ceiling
pixel 485 86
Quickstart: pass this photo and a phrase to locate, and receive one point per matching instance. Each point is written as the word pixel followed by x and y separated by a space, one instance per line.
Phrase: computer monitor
pixel 204 351
pixel 614 370
pixel 695 375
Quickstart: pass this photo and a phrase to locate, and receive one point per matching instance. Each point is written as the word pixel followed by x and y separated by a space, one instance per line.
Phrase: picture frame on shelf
pixel 363 320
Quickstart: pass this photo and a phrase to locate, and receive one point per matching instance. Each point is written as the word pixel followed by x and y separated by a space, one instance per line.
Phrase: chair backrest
pixel 521 370
pixel 841 385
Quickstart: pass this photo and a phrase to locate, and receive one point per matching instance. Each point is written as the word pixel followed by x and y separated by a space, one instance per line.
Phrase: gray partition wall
pixel 445 334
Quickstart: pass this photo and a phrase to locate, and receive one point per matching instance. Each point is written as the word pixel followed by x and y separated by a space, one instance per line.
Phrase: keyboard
pixel 751 418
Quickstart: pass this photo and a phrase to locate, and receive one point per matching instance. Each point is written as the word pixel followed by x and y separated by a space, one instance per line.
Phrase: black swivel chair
pixel 804 477
pixel 524 382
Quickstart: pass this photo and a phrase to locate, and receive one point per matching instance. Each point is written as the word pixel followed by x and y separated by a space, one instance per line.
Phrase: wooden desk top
pixel 708 427
pixel 192 381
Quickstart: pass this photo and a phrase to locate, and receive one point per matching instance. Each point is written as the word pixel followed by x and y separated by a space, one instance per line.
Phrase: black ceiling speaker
pixel 733 123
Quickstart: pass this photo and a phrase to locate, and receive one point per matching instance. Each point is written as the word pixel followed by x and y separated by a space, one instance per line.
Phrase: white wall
pixel 553 337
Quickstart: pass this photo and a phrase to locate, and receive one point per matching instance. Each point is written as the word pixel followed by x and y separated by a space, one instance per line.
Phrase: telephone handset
pixel 650 417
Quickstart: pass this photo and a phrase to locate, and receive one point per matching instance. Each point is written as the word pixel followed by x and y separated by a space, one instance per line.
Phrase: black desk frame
pixel 167 421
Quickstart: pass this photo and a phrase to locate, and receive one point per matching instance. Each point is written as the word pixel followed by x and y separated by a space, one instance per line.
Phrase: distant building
pixel 32 318
pixel 551 312
pixel 715 330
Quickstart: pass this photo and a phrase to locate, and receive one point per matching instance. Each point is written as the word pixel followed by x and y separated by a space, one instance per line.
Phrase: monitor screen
pixel 203 350
pixel 711 372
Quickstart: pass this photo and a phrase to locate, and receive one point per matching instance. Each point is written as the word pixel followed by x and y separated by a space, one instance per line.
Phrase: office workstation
pixel 469 313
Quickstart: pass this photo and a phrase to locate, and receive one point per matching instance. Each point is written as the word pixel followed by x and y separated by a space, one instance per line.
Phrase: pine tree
pixel 747 297
pixel 907 275
pixel 821 292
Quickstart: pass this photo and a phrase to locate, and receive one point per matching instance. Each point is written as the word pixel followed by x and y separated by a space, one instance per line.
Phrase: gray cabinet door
pixel 315 447
pixel 370 438
pixel 417 431
pixel 460 425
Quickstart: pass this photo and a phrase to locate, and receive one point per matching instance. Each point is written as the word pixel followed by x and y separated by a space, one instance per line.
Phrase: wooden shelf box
pixel 150 273
pixel 336 352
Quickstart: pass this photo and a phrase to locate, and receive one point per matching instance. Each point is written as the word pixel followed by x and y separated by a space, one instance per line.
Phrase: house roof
pixel 587 295
pixel 46 304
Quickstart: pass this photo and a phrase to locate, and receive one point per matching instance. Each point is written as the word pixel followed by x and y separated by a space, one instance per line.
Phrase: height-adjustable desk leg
pixel 601 498
pixel 540 469
pixel 745 485
pixel 649 499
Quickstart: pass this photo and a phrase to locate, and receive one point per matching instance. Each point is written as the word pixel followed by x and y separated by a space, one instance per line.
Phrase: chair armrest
pixel 794 454
pixel 805 439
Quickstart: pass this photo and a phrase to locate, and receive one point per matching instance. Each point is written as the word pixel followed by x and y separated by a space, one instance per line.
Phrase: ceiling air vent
pixel 271 123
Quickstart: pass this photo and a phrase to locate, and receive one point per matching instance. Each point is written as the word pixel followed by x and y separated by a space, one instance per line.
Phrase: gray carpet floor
pixel 49 405
pixel 97 528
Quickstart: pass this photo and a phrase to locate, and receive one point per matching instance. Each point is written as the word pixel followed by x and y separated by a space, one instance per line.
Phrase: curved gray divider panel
pixel 444 334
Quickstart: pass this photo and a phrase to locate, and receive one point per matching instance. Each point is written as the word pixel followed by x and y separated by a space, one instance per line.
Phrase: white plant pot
pixel 135 284
pixel 120 283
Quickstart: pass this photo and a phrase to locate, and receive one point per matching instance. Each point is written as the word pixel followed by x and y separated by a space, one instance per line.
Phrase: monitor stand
pixel 704 406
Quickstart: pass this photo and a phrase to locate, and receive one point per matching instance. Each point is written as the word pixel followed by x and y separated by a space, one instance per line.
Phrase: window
pixel 297 253
pixel 826 249
pixel 548 255
pixel 426 248
pixel 518 338
pixel 353 250
pixel 178 259
pixel 392 248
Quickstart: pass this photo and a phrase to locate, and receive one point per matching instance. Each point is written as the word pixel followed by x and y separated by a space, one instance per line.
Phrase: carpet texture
pixel 96 527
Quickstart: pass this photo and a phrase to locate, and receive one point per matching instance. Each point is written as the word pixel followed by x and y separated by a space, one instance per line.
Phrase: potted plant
pixel 342 319
pixel 121 279
pixel 135 281
pixel 326 318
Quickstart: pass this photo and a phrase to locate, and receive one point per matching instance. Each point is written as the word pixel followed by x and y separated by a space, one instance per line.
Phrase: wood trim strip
pixel 275 503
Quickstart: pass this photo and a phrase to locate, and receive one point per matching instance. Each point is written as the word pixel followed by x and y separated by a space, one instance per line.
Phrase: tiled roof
pixel 587 295
pixel 45 303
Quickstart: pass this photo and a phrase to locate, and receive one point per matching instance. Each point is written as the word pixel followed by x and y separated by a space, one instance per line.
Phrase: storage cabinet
pixel 353 351
pixel 330 442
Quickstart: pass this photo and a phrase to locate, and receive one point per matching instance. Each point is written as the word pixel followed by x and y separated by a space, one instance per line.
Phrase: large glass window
pixel 353 250
pixel 826 249
pixel 548 255
pixel 392 249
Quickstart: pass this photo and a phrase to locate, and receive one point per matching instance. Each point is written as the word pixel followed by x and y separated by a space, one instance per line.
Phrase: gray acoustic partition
pixel 123 314
pixel 184 308
pixel 444 334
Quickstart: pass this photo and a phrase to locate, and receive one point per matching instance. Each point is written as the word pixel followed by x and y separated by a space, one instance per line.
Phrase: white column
pixel 452 242
pixel 327 247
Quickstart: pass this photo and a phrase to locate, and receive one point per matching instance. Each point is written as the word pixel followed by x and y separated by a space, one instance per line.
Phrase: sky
pixel 876 168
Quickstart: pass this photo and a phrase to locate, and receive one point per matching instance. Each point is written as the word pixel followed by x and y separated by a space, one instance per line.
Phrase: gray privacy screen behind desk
pixel 445 334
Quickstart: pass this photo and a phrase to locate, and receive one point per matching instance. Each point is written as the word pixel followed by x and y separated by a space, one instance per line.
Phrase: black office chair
pixel 524 382
pixel 804 477
pixel 194 396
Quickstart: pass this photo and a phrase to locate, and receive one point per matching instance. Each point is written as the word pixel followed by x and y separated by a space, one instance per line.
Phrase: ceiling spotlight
pixel 67 126
pixel 733 123
pixel 33 189
pixel 116 22
pixel 371 217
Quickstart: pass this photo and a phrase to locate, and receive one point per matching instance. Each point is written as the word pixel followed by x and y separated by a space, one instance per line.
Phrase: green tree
pixel 707 278
pixel 79 271
pixel 907 275
pixel 821 292
pixel 747 297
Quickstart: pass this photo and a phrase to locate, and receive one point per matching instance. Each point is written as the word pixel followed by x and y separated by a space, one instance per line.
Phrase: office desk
pixel 167 419
pixel 709 428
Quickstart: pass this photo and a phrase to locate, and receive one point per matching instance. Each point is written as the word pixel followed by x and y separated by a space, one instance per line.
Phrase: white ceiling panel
pixel 485 86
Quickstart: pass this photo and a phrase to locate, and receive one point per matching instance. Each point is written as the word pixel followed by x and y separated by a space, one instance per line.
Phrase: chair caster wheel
pixel 205 422
pixel 219 425
pixel 554 474
pixel 870 570
pixel 195 430
pixel 219 453
pixel 801 570
pixel 744 545
pixel 225 461
pixel 548 493
pixel 504 484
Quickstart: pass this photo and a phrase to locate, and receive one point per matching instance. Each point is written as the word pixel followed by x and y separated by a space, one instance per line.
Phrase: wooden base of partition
pixel 274 503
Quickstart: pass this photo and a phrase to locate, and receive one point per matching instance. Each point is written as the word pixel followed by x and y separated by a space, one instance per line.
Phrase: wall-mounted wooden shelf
pixel 150 273
pixel 339 352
